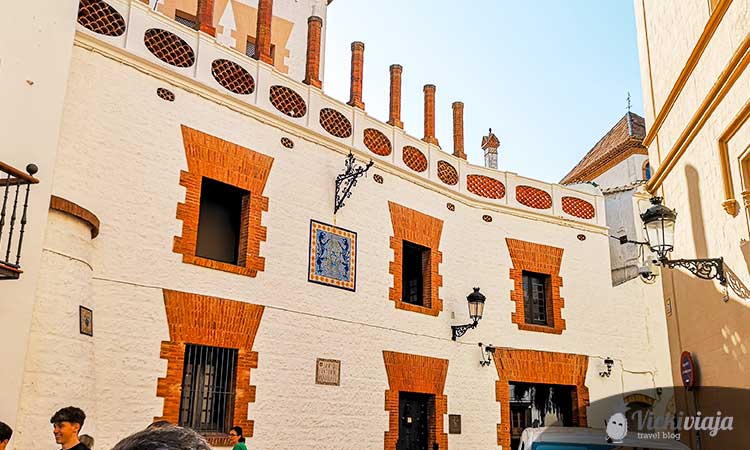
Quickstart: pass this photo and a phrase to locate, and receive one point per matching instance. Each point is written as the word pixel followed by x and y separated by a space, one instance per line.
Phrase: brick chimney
pixel 312 69
pixel 355 92
pixel 490 144
pixel 458 130
pixel 263 32
pixel 206 17
pixel 395 109
pixel 429 114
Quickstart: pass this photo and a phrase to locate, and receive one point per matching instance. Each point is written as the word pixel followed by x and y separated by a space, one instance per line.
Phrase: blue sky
pixel 549 76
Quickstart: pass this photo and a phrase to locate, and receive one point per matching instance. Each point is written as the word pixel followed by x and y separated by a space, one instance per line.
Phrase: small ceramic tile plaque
pixel 328 371
pixel 454 423
pixel 86 319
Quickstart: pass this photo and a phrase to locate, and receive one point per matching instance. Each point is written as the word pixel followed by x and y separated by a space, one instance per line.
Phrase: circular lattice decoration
pixel 165 94
pixel 169 47
pixel 447 173
pixel 335 123
pixel 533 197
pixel 232 76
pixel 450 206
pixel 414 158
pixel 581 237
pixel 287 101
pixel 100 18
pixel 378 178
pixel 286 142
pixel 578 208
pixel 377 142
pixel 487 218
pixel 486 187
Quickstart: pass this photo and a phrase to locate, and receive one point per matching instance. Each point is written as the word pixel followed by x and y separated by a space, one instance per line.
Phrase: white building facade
pixel 192 218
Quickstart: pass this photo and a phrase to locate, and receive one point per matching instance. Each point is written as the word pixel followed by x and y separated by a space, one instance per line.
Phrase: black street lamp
pixel 659 221
pixel 476 308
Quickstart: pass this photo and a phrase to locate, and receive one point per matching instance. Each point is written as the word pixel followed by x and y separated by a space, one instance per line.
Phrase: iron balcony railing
pixel 13 218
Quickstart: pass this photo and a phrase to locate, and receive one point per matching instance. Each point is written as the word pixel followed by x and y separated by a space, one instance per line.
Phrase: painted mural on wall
pixel 333 256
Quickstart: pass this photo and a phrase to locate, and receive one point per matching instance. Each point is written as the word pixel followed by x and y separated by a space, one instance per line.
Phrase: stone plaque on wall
pixel 454 423
pixel 328 371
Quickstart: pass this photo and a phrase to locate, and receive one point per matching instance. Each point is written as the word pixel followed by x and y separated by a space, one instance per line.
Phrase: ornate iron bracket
pixel 706 269
pixel 347 180
pixel 460 330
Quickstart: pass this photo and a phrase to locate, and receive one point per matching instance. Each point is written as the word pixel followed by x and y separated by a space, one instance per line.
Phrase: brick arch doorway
pixel 410 377
pixel 538 367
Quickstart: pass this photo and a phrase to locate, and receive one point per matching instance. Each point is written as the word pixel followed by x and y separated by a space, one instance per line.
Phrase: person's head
pixel 67 423
pixel 5 433
pixel 166 438
pixel 86 440
pixel 160 424
pixel 235 435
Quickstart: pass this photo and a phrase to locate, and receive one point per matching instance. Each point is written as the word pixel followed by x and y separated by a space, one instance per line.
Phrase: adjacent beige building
pixel 694 56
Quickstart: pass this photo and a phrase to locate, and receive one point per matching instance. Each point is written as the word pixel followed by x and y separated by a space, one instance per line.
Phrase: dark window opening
pixel 536 296
pixel 250 49
pixel 220 221
pixel 186 19
pixel 415 266
pixel 208 388
pixel 647 172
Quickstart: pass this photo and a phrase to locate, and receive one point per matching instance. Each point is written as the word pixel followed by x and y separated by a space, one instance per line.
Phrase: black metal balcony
pixel 13 218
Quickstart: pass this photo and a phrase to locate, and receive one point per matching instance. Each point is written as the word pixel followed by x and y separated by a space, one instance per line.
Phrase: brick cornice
pixel 532 257
pixel 419 374
pixel 422 229
pixel 66 206
pixel 532 366
pixel 212 157
pixel 203 320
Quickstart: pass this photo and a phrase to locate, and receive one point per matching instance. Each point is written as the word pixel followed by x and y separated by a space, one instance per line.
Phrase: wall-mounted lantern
pixel 659 223
pixel 608 362
pixel 476 308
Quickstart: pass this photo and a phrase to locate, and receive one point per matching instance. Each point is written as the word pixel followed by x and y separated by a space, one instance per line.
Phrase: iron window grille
pixel 208 388
pixel 535 298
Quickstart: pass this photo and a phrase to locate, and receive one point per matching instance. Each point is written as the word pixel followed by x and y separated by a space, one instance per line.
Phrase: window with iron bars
pixel 208 388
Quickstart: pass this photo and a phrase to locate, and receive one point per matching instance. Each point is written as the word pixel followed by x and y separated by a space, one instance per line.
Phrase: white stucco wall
pixel 132 156
pixel 625 172
pixel 35 48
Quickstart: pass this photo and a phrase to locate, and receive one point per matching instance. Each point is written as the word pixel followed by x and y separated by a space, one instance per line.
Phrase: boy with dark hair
pixel 5 433
pixel 67 423
pixel 165 438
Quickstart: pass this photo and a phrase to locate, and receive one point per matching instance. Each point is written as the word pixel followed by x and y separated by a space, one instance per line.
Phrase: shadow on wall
pixel 692 179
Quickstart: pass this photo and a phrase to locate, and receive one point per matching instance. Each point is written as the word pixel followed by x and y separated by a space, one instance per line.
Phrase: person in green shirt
pixel 237 439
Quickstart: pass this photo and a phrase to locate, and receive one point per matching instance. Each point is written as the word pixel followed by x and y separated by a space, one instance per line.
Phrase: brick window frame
pixel 422 229
pixel 232 324
pixel 533 366
pixel 211 157
pixel 541 259
pixel 418 374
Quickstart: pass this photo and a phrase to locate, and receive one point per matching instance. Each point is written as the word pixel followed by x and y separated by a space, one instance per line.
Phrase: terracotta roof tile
pixel 623 140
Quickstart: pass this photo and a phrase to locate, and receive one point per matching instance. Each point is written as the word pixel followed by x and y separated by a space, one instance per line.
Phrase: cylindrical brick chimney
pixel 429 114
pixel 206 17
pixel 355 92
pixel 458 130
pixel 312 69
pixel 263 31
pixel 394 117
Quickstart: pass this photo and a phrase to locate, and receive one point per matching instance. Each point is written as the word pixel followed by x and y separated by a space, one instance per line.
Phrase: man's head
pixel 167 438
pixel 67 423
pixel 87 440
pixel 235 435
pixel 5 433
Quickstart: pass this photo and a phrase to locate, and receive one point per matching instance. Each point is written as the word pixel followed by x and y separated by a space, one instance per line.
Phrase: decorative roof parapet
pixel 299 107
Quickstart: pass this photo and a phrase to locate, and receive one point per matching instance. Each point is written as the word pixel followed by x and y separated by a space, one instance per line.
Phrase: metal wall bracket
pixel 347 180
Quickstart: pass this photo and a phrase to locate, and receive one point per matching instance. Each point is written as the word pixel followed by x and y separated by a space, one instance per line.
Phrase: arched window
pixel 646 171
